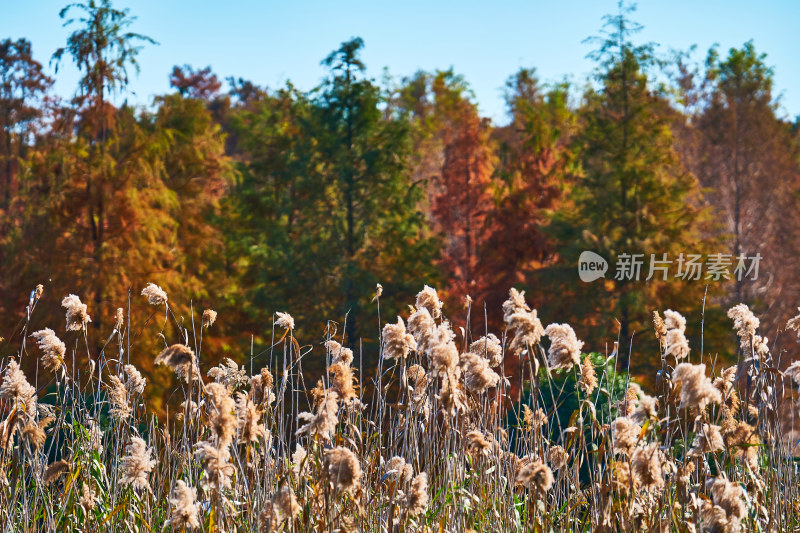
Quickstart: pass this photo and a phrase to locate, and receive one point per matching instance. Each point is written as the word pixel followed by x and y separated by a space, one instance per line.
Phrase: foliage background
pixel 252 200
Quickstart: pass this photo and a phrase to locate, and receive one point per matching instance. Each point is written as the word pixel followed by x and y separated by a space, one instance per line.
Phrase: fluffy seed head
pixel 119 319
pixel 423 328
pixel 760 346
pixel 533 420
pixel 729 496
pixel 15 387
pixel 794 324
pixel 325 418
pixel 626 405
pixel 137 464
pixel 708 439
pixel 77 317
pixel 221 417
pixel 647 463
pixel 535 475
pixel 285 321
pixel 794 371
pixel 118 397
pixel 451 396
pixel 209 317
pixel 344 382
pixel 248 414
pixel 135 383
pixel 229 374
pixel 339 354
pixel 478 376
pixel 418 379
pixel 557 457
pixel 52 348
pixel 724 384
pixel 397 466
pixel 645 409
pixel 674 320
pixel 397 343
pixel 428 299
pixel 696 389
pixel 416 502
pixel 268 519
pixel 261 388
pixel 88 498
pixel 525 322
pixel 713 519
pixel 743 441
pixel 515 303
pixel 745 323
pixel 478 443
pixel 216 463
pixel 588 381
pixel 443 351
pixel 34 436
pixel 155 294
pixel 565 348
pixel 659 327
pixel 676 344
pixel 56 470
pixel 625 434
pixel 284 504
pixel 185 509
pixel 623 479
pixel 343 470
pixel 489 348
pixel 300 465
pixel 180 359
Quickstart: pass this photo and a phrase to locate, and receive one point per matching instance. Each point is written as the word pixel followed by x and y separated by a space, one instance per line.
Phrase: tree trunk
pixel 350 297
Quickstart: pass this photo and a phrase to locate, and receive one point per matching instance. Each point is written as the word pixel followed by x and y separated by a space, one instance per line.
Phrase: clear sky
pixel 272 41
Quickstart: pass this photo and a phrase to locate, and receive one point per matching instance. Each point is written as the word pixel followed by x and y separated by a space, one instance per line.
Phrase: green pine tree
pixel 325 208
pixel 632 196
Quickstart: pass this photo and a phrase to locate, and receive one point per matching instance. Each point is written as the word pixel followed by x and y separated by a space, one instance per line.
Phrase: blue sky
pixel 270 42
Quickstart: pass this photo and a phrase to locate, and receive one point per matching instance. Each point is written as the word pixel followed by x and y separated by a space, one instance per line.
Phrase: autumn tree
pixel 22 87
pixel 325 208
pixel 461 198
pixel 413 100
pixel 193 83
pixel 204 85
pixel 747 158
pixel 364 158
pixel 534 158
pixel 119 197
pixel 273 238
pixel 103 50
pixel 632 199
pixel 452 158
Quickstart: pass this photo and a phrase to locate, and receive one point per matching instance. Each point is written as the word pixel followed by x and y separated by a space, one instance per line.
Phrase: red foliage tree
pixel 201 84
pixel 533 158
pixel 461 197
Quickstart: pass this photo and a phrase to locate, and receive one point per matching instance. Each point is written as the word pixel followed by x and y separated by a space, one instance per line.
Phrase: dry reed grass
pixel 431 442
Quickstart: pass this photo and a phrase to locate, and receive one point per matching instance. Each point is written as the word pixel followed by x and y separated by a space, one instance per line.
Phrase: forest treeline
pixel 251 200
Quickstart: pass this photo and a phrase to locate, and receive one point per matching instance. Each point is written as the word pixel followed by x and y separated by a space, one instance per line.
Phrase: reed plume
pixel 155 294
pixel 77 315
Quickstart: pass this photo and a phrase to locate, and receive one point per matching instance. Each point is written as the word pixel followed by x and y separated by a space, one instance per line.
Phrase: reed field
pixel 193 331
pixel 455 430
